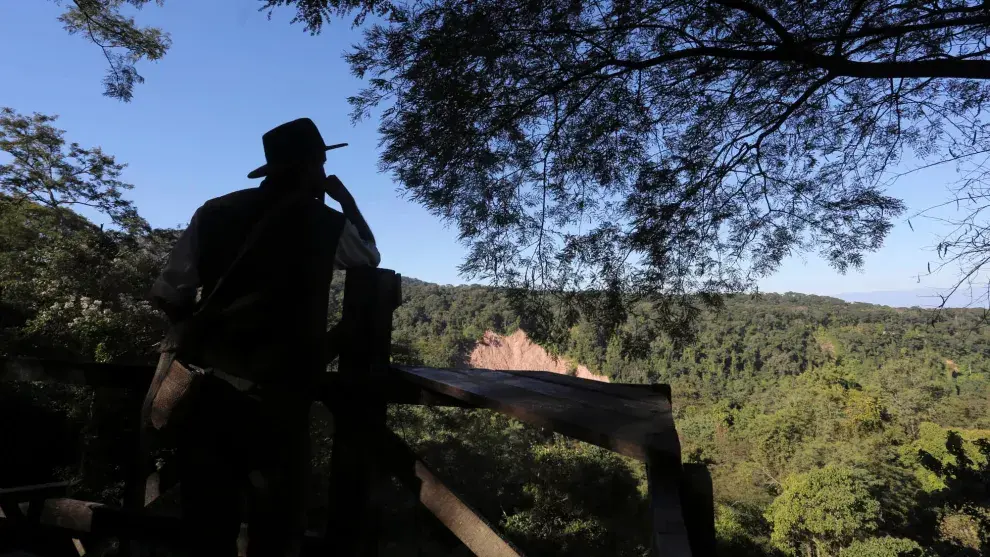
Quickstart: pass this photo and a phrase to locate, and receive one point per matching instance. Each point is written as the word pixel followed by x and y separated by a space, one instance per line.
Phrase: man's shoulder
pixel 234 199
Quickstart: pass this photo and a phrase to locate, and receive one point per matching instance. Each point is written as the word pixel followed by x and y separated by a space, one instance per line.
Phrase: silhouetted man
pixel 245 426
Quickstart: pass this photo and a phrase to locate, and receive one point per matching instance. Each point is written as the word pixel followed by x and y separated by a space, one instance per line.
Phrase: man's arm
pixel 356 245
pixel 174 292
pixel 337 191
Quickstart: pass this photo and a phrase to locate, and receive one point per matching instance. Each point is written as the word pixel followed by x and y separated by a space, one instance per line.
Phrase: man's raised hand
pixel 336 190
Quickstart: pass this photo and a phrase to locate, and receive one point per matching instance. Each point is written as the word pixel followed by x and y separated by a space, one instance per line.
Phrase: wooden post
pixel 669 536
pixel 370 297
pixel 698 501
pixel 138 466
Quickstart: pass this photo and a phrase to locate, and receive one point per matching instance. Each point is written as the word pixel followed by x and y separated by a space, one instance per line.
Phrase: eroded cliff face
pixel 516 352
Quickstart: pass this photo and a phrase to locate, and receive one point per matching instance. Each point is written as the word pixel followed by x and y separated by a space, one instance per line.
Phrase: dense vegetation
pixel 831 428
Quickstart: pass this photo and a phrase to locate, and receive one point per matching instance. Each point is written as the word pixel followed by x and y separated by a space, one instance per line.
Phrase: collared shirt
pixel 355 251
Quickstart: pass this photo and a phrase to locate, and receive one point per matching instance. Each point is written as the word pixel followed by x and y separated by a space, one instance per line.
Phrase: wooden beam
pixel 87 517
pixel 698 502
pixel 22 504
pixel 669 536
pixel 23 493
pixel 635 391
pixel 401 392
pixel 77 373
pixel 370 297
pixel 641 407
pixel 464 522
pixel 633 431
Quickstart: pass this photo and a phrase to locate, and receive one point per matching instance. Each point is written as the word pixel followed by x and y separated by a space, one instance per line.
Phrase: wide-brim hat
pixel 291 144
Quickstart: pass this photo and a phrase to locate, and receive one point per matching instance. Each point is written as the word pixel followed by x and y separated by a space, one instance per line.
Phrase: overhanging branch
pixel 760 14
pixel 836 65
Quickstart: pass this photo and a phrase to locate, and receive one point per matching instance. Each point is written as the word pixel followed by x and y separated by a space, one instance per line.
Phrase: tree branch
pixel 843 33
pixel 793 108
pixel 92 36
pixel 760 14
pixel 900 30
pixel 836 65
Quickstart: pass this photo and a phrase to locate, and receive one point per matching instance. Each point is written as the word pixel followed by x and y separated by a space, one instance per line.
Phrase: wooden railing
pixel 633 420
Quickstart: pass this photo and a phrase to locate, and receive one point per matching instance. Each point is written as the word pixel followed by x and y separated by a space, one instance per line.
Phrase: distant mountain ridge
pixel 918 297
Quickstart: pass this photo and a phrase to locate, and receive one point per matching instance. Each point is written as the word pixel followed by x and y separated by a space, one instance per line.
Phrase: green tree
pixel 824 510
pixel 46 170
pixel 71 288
pixel 883 547
pixel 582 500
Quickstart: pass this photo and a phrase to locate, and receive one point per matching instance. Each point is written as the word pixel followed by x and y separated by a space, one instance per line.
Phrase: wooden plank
pixel 401 392
pixel 635 408
pixel 620 433
pixel 338 390
pixel 23 493
pixel 77 373
pixel 634 391
pixel 464 522
pixel 98 519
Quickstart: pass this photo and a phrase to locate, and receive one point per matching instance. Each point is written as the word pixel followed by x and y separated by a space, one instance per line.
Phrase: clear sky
pixel 193 130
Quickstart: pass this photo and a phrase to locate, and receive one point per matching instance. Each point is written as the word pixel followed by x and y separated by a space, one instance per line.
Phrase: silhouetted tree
pixel 664 147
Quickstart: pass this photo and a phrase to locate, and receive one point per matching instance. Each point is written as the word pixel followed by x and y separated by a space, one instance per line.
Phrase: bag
pixel 171 391
pixel 174 383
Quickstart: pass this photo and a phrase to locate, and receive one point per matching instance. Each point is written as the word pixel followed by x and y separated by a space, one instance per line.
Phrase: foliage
pixel 123 42
pixel 824 510
pixel 78 297
pixel 957 469
pixel 668 147
pixel 44 169
pixel 70 288
pixel 883 547
pixel 773 388
pixel 314 13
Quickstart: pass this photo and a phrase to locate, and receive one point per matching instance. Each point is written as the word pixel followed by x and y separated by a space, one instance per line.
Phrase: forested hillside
pixel 830 428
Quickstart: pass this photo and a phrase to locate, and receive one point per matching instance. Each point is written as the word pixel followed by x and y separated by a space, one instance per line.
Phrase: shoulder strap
pixel 269 216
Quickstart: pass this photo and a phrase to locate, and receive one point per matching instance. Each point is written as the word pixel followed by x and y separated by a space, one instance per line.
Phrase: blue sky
pixel 193 130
